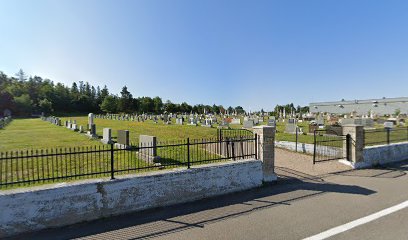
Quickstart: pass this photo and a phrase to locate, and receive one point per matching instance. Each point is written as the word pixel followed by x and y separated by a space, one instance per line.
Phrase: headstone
pixel 291 121
pixel 123 139
pixel 368 122
pixel 90 119
pixel 249 124
pixel 74 127
pixel 256 121
pixel 235 121
pixel 92 131
pixel 320 120
pixel 313 127
pixel 223 124
pixel 107 136
pixel 388 125
pixel 290 128
pixel 148 148
pixel 207 123
pixel 272 122
pixel 179 121
pixel 193 121
pixel 81 129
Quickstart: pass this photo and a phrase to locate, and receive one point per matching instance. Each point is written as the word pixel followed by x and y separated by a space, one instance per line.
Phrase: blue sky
pixel 251 53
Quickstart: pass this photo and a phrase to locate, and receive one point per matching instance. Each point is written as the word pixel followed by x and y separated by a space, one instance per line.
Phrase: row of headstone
pixel 70 124
pixel 166 118
pixel 52 120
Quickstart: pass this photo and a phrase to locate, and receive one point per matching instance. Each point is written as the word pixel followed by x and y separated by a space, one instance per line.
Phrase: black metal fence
pixel 384 136
pixel 234 133
pixel 329 145
pixel 45 166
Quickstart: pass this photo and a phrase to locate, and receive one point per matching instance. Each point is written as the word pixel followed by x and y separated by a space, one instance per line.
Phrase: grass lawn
pixel 175 132
pixel 163 132
pixel 27 134
pixel 86 158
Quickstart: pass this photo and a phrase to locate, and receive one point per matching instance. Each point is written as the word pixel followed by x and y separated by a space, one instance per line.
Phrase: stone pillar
pixel 356 144
pixel 266 151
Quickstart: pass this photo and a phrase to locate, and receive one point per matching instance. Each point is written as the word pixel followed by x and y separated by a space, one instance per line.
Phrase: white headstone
pixel 388 125
pixel 90 119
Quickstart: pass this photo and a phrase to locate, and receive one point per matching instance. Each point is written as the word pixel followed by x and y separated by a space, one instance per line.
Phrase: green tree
pixel 215 109
pixel 109 104
pixel 6 101
pixel 21 75
pixel 158 105
pixel 146 105
pixel 125 101
pixel 239 109
pixel 45 106
pixel 23 105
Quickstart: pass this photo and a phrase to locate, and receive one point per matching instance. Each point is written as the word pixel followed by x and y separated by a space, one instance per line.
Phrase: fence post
pixel 233 150
pixel 256 146
pixel 348 146
pixel 188 153
pixel 297 132
pixel 112 163
pixel 388 136
pixel 220 142
pixel 314 146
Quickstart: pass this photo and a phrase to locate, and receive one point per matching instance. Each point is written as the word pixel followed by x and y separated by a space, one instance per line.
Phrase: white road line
pixel 358 222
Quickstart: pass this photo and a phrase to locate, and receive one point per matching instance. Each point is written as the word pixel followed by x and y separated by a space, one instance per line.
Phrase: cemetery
pixel 169 147
pixel 160 141
pixel 172 128
pixel 203 120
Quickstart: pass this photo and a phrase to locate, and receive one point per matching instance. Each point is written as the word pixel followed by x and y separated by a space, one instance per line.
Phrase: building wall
pixel 57 205
pixel 378 106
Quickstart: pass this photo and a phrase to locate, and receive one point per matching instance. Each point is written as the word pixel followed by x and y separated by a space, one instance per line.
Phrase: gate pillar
pixel 353 148
pixel 266 151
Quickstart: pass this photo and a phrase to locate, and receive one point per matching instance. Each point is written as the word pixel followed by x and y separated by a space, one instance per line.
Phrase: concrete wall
pixel 301 147
pixel 306 148
pixel 383 154
pixel 56 205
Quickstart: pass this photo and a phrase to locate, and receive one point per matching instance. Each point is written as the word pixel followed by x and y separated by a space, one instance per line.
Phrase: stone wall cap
pixel 352 125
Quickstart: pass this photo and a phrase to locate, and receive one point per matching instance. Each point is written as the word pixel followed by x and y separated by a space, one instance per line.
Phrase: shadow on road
pixel 162 221
pixel 392 170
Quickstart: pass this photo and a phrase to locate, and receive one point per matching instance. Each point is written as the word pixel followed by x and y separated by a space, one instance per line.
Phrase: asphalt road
pixel 291 209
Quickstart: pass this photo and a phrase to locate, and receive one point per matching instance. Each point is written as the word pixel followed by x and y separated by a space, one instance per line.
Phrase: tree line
pixel 27 95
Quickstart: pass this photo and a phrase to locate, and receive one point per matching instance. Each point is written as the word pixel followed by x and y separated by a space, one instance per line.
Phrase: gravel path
pixel 291 165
